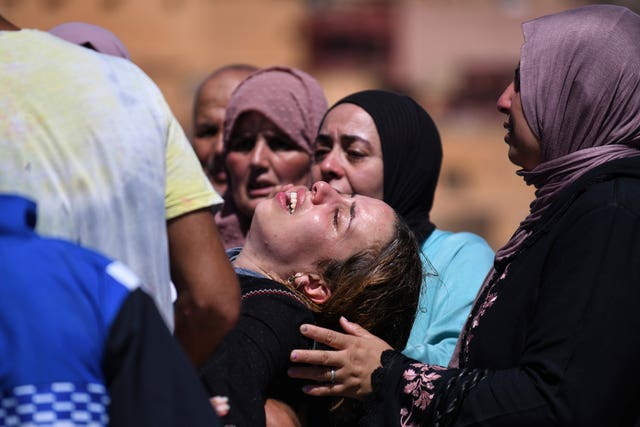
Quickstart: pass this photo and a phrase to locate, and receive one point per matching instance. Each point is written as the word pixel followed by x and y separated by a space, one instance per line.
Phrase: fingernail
pixel 303 328
pixel 294 356
pixel 307 388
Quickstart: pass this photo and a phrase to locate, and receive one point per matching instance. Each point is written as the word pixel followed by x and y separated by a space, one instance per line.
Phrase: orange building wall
pixel 178 42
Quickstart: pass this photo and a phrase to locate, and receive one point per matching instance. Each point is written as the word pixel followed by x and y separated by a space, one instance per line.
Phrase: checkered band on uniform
pixel 57 404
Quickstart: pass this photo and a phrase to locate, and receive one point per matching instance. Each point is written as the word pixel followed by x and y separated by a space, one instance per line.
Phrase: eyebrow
pixel 349 138
pixel 352 211
pixel 325 138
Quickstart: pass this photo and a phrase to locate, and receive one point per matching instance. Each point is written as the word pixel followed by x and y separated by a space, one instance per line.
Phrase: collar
pixel 232 254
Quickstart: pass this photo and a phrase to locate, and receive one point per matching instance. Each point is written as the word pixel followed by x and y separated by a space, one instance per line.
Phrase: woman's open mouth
pixel 292 201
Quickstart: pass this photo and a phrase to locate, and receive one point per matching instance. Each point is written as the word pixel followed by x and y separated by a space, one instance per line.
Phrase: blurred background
pixel 453 56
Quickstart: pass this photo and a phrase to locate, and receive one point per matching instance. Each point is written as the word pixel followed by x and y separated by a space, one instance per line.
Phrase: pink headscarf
pixel 580 91
pixel 292 99
pixel 100 39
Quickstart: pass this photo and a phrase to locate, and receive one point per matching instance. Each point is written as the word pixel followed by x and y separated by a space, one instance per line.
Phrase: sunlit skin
pixel 325 224
pixel 208 119
pixel 524 146
pixel 348 153
pixel 260 159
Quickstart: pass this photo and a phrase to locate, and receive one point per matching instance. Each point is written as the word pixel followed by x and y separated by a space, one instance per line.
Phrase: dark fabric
pixel 332 412
pixel 251 363
pixel 558 332
pixel 411 154
pixel 150 380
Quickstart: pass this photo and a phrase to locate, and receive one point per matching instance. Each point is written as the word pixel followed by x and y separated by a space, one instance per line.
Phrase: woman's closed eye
pixel 320 153
pixel 242 143
pixel 323 146
pixel 207 131
pixel 336 216
pixel 356 148
pixel 356 154
pixel 281 143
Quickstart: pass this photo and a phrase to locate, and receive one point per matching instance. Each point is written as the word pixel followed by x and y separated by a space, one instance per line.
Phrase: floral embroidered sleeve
pixel 419 383
pixel 403 391
pixel 408 393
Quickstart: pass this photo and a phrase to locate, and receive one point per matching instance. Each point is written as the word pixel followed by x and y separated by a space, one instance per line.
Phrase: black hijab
pixel 411 154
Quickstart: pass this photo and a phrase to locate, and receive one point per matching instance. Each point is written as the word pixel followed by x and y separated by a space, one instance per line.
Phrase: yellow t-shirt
pixel 91 139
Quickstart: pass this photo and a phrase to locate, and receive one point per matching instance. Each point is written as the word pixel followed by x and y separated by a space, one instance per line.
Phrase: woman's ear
pixel 312 286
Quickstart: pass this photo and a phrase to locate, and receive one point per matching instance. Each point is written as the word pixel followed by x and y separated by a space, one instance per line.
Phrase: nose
pixel 204 151
pixel 331 167
pixel 218 145
pixel 504 102
pixel 260 152
pixel 323 192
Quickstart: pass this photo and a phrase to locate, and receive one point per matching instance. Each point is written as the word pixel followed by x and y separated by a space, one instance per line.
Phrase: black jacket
pixel 251 363
pixel 560 343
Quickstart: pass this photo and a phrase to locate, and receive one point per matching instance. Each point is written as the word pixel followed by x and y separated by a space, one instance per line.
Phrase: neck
pixel 249 260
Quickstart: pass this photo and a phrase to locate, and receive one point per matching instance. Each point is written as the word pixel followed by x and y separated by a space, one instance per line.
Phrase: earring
pixel 292 278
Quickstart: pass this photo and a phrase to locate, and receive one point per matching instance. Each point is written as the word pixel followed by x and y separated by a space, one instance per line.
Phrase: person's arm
pixel 398 390
pixel 208 298
pixel 208 292
pixel 279 414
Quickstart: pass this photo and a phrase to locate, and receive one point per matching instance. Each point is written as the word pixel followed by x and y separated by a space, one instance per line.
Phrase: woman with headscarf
pixel 383 144
pixel 92 37
pixel 270 123
pixel 552 338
